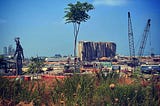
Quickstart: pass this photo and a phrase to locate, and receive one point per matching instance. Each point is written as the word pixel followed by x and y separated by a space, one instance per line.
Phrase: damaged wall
pixel 88 51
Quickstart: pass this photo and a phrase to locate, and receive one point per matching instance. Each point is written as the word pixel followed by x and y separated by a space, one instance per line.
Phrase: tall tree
pixel 77 13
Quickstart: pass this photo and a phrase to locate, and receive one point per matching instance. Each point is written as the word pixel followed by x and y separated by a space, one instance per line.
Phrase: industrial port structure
pixel 89 51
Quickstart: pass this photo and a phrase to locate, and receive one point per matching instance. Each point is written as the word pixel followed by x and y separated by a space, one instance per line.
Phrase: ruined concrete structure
pixel 88 51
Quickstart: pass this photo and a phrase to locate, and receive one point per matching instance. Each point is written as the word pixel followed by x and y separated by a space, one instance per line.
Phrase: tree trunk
pixel 75 46
pixel 76 30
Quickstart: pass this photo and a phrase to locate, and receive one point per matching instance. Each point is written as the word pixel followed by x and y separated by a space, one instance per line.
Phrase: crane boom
pixel 130 38
pixel 144 39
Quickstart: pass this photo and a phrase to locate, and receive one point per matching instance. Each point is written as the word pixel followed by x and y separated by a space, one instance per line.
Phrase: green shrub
pixel 74 90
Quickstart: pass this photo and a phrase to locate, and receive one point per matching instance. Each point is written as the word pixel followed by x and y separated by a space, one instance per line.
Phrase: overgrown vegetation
pixel 18 90
pixel 83 90
pixel 36 65
pixel 103 91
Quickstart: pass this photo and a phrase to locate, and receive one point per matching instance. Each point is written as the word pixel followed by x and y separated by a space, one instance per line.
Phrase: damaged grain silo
pixel 89 51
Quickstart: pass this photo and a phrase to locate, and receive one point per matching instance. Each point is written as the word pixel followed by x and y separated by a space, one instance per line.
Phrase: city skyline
pixel 8 50
pixel 42 29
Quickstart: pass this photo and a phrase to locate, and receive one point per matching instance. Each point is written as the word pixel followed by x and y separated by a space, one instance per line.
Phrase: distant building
pixel 10 50
pixel 5 50
pixel 88 51
pixel 57 56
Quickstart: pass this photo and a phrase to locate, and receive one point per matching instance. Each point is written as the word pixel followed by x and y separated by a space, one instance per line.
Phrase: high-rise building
pixel 5 50
pixel 11 50
pixel 88 51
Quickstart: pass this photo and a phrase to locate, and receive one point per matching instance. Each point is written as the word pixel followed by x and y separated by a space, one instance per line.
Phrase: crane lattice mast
pixel 130 38
pixel 144 39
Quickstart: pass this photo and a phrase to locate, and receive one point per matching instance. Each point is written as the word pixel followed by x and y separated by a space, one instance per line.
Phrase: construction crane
pixel 144 39
pixel 131 41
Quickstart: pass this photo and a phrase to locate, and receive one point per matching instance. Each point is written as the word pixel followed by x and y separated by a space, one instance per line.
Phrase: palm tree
pixel 77 13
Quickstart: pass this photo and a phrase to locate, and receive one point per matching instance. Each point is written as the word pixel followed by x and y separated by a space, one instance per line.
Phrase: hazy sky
pixel 42 29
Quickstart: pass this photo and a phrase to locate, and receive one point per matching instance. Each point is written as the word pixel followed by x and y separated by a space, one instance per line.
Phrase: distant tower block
pixel 5 50
pixel 88 51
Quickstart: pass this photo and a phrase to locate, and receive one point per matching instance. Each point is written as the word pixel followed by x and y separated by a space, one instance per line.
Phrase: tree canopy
pixel 77 13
